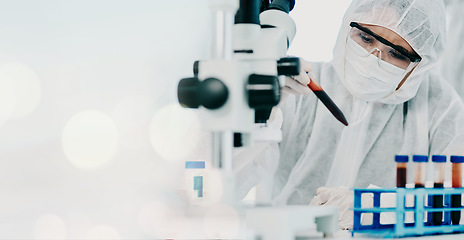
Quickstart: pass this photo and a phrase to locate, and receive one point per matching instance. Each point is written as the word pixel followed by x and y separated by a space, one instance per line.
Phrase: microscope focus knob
pixel 196 67
pixel 187 92
pixel 289 66
pixel 212 93
pixel 263 91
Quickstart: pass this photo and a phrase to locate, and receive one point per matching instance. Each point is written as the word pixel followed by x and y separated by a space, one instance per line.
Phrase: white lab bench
pixel 345 234
pixel 276 223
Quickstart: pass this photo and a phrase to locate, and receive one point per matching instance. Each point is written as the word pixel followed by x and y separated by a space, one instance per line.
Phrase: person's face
pixel 389 54
pixel 393 52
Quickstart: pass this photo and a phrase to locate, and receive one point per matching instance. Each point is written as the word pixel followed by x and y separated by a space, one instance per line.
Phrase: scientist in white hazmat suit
pixel 383 77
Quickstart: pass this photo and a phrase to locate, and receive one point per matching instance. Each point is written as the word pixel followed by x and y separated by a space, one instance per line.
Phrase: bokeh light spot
pixel 175 132
pixel 27 88
pixel 7 97
pixel 49 226
pixel 103 232
pixel 132 116
pixel 90 139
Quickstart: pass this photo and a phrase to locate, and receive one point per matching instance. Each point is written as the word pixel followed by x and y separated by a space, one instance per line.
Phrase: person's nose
pixel 376 52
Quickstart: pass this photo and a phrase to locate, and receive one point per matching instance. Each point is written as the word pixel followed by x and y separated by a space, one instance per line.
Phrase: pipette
pixel 325 99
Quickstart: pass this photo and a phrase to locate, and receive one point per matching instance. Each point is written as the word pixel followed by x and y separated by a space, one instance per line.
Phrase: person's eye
pixel 366 38
pixel 397 55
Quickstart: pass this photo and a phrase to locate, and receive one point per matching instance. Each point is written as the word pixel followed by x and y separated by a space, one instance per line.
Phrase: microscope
pixel 237 87
pixel 235 90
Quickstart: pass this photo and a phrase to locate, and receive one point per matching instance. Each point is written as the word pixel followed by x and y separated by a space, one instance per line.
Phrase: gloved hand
pixel 341 197
pixel 297 85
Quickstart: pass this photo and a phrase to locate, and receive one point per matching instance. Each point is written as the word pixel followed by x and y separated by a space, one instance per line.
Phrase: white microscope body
pixel 237 87
pixel 235 90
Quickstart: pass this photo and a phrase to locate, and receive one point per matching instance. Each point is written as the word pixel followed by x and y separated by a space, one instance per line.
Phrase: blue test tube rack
pixel 401 229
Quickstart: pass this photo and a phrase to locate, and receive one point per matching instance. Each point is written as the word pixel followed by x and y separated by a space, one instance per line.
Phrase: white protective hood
pixel 422 23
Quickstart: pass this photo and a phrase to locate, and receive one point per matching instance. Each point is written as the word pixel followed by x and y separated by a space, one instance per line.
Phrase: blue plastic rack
pixel 400 228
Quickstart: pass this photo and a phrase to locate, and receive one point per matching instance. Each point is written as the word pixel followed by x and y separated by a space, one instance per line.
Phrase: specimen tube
pixel 456 162
pixel 439 177
pixel 401 164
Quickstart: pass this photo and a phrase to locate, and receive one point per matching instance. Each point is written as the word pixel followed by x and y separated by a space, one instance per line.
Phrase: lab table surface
pixel 345 234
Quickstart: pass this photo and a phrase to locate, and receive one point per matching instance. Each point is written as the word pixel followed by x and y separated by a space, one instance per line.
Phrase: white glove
pixel 341 197
pixel 297 85
pixel 275 119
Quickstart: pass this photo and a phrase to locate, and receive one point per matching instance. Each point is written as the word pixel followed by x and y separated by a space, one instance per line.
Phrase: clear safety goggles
pixel 387 51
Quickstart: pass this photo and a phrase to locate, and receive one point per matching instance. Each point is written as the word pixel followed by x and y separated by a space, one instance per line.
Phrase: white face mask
pixel 364 77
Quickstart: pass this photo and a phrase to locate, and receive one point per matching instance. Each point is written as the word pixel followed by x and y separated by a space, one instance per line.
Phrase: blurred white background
pixel 317 26
pixel 92 143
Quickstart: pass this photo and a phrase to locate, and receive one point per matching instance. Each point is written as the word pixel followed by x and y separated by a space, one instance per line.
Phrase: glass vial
pixel 194 182
pixel 420 170
pixel 439 177
pixel 456 165
pixel 401 167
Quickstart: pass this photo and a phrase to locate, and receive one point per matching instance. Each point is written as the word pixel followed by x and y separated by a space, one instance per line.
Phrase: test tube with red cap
pixel 401 166
pixel 439 177
pixel 456 165
pixel 420 170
